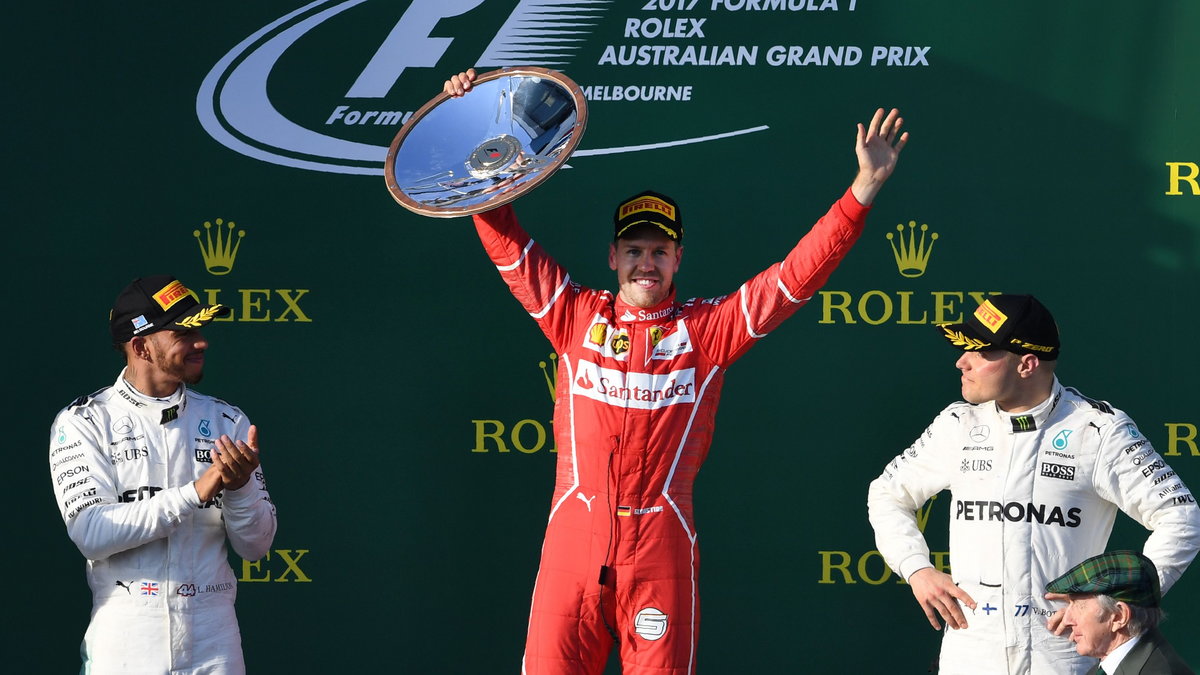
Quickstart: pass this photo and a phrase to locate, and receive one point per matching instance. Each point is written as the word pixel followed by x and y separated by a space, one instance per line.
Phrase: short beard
pixel 177 371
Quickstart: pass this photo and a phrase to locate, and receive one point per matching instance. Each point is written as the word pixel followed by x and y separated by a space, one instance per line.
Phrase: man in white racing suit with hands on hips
pixel 151 478
pixel 1036 472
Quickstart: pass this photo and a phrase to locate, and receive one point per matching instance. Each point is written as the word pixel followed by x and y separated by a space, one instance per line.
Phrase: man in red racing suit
pixel 639 378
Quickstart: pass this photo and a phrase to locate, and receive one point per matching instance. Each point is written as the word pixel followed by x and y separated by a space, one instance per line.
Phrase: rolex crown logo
pixel 550 373
pixel 219 248
pixel 911 255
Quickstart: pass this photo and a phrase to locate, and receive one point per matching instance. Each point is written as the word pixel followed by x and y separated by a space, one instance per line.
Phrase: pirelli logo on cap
pixel 647 204
pixel 171 294
pixel 989 316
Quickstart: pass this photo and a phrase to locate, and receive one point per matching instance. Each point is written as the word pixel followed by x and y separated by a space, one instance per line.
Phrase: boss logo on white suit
pixel 1059 471
pixel 650 623
pixel 645 391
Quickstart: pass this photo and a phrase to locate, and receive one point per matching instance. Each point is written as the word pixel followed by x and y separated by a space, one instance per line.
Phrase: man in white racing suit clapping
pixel 151 478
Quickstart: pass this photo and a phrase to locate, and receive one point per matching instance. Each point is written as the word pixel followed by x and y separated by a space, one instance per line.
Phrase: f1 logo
pixel 650 623
pixel 407 45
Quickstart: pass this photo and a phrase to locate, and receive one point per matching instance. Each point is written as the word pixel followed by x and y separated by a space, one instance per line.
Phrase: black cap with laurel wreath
pixel 155 303
pixel 1015 323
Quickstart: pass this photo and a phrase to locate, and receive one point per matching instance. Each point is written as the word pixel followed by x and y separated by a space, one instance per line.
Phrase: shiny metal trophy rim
pixel 502 198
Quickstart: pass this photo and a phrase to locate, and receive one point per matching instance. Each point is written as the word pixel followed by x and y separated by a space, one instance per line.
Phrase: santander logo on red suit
pixel 645 391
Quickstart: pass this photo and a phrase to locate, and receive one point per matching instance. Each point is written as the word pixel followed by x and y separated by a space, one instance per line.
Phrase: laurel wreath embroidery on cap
pixel 200 318
pixel 958 339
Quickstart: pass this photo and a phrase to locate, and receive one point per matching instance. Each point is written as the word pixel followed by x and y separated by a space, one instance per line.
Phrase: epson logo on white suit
pixel 325 134
pixel 644 391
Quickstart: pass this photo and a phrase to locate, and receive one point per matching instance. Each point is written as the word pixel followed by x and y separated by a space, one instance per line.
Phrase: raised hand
pixel 878 147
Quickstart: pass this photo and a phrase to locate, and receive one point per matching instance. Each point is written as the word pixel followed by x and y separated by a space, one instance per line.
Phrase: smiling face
pixel 645 263
pixel 177 355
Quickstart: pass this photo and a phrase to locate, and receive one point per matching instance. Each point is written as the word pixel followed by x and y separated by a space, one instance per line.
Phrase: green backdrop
pixel 1054 150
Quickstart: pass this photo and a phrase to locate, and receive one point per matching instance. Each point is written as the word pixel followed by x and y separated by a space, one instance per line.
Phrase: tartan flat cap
pixel 1128 576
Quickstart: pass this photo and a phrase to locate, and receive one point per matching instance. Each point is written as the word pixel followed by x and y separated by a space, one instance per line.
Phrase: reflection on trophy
pixel 456 157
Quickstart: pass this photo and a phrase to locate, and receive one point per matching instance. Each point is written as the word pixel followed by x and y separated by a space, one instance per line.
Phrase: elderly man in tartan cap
pixel 1114 614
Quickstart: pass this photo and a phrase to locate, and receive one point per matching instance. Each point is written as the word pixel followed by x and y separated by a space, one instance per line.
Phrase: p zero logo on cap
pixel 647 204
pixel 989 316
pixel 171 294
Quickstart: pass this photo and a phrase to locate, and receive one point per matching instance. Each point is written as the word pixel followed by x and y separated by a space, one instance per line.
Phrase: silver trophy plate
pixel 508 134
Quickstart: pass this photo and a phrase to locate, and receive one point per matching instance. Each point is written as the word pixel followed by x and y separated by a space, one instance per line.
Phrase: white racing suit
pixel 122 465
pixel 1033 494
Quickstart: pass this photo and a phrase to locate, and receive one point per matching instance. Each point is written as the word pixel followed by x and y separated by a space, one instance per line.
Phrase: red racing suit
pixel 636 397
